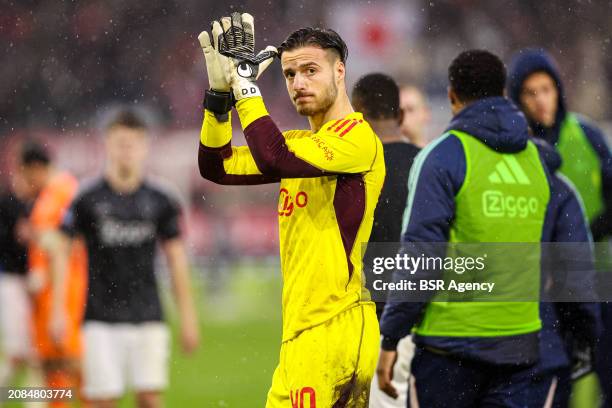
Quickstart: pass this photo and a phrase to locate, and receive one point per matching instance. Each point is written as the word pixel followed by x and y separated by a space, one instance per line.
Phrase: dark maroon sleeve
pixel 271 154
pixel 210 162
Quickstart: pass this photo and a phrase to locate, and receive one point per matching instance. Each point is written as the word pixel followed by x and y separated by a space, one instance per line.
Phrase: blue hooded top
pixel 436 181
pixel 529 61
pixel 500 125
pixel 525 63
pixel 579 322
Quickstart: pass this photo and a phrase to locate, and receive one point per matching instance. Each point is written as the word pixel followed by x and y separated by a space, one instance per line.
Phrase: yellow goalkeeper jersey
pixel 330 181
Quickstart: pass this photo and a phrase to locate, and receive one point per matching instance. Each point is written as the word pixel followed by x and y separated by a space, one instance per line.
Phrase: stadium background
pixel 65 62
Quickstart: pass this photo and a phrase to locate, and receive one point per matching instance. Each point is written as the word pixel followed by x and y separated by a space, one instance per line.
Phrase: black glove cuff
pixel 219 103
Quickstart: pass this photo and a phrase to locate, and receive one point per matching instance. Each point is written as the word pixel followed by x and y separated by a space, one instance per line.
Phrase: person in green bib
pixel 483 181
pixel 534 84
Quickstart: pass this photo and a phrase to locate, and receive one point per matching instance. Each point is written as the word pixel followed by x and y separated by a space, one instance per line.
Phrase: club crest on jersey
pixel 287 203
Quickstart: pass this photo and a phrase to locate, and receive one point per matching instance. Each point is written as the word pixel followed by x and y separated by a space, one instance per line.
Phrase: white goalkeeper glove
pixel 238 43
pixel 217 65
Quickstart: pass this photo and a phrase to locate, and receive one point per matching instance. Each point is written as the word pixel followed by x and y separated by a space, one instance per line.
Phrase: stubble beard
pixel 329 97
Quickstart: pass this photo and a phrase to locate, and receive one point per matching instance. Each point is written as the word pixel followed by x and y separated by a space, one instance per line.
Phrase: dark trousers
pixel 603 365
pixel 449 382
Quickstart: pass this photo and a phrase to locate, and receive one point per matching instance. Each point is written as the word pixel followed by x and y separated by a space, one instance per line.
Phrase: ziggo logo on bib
pixel 496 204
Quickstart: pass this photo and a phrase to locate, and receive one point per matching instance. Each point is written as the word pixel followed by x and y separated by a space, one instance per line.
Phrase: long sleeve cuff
pixel 389 343
pixel 215 134
pixel 251 109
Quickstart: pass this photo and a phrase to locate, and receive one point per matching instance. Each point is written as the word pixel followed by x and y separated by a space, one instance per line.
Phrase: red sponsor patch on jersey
pixel 287 203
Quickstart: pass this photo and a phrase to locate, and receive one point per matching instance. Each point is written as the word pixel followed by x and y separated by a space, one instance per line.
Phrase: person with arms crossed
pixel 121 217
pixel 330 179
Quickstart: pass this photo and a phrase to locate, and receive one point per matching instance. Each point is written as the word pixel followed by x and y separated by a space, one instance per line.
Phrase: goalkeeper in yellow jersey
pixel 330 178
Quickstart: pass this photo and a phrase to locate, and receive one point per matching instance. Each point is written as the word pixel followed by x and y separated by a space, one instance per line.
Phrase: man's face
pixel 416 112
pixel 126 148
pixel 19 185
pixel 312 74
pixel 32 179
pixel 539 98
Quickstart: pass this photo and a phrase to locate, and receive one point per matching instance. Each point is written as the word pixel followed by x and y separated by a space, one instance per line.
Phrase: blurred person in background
pixel 122 216
pixel 535 86
pixel 566 269
pixel 57 342
pixel 15 308
pixel 377 97
pixel 416 115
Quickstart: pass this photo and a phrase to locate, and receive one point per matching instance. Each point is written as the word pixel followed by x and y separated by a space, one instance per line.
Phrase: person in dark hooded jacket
pixel 579 322
pixel 535 85
pixel 472 354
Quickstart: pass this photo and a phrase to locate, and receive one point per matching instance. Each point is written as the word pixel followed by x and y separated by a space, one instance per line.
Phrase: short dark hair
pixel 324 38
pixel 377 96
pixel 127 117
pixel 477 74
pixel 33 152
